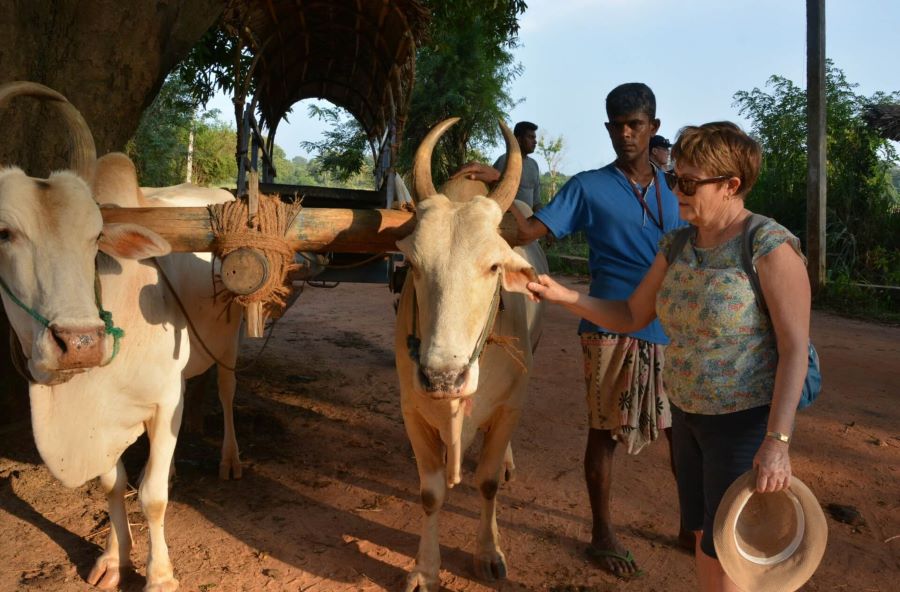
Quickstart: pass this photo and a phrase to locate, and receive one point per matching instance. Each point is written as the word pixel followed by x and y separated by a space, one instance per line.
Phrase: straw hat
pixel 769 542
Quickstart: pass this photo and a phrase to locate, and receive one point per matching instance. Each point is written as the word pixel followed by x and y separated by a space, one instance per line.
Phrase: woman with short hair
pixel 734 372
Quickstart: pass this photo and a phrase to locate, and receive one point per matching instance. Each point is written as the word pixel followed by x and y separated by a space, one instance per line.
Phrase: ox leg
pixel 106 572
pixel 230 462
pixel 509 465
pixel 154 493
pixel 429 451
pixel 489 560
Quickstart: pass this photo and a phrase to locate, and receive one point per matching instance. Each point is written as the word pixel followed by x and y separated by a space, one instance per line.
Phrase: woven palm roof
pixel 885 118
pixel 357 54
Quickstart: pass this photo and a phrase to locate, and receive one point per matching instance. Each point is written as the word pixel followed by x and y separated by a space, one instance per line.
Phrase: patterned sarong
pixel 625 392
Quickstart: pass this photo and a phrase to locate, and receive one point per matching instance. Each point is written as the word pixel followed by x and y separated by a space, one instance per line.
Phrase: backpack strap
pixel 753 223
pixel 681 238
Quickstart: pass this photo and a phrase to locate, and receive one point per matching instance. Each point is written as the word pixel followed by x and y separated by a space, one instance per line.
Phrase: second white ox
pixel 453 379
pixel 215 322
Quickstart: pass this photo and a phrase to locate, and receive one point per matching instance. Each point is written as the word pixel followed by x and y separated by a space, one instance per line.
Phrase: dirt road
pixel 329 499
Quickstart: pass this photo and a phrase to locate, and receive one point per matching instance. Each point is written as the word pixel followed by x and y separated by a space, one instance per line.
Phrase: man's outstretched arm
pixel 529 229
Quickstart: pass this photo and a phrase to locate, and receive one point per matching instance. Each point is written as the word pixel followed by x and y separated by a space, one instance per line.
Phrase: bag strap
pixel 753 223
pixel 681 238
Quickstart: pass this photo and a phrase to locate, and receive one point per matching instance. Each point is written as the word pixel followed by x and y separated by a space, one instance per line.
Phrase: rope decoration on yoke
pixel 267 234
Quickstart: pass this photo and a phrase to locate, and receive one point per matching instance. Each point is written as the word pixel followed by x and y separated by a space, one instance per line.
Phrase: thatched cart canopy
pixel 885 118
pixel 357 54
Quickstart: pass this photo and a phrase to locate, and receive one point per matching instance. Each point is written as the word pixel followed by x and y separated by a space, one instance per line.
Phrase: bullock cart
pixel 357 55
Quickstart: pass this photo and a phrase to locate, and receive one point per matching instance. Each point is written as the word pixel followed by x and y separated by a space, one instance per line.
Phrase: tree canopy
pixel 863 209
pixel 464 70
pixel 163 140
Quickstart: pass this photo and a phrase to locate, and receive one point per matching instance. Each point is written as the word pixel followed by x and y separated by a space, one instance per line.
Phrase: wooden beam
pixel 336 230
pixel 816 182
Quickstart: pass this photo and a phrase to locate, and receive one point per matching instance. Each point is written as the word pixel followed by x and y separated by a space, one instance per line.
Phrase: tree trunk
pixel 108 57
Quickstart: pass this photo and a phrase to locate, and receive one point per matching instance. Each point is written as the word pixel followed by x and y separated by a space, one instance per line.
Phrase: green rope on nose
pixel 109 327
pixel 117 332
pixel 33 313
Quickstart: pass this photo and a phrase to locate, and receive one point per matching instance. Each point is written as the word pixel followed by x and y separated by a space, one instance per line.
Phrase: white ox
pixel 216 323
pixel 449 388
pixel 91 393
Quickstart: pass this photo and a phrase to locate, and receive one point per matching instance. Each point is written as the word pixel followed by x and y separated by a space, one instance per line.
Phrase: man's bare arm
pixel 529 229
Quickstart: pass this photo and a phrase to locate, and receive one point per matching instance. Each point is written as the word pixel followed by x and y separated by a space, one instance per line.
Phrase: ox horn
pixel 505 191
pixel 84 152
pixel 422 184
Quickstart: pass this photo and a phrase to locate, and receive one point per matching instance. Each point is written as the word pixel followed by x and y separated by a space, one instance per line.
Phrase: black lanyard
pixel 643 202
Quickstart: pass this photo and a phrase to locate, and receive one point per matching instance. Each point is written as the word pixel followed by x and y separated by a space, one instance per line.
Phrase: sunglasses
pixel 689 186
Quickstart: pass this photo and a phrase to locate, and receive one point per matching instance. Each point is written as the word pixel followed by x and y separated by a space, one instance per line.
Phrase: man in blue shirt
pixel 623 209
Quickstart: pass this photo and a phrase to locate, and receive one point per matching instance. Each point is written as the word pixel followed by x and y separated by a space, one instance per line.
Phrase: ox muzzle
pixel 444 383
pixel 76 348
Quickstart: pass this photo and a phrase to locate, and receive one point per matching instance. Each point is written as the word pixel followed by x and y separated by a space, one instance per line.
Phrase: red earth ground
pixel 329 500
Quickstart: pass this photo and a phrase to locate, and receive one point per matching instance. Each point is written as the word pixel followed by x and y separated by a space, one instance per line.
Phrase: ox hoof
pixel 490 566
pixel 230 470
pixel 106 573
pixel 510 473
pixel 167 585
pixel 420 582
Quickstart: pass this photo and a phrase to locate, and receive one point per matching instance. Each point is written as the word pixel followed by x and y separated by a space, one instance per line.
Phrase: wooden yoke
pixel 249 265
pixel 335 230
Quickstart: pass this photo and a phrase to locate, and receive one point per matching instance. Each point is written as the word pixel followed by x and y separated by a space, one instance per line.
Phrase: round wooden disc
pixel 244 271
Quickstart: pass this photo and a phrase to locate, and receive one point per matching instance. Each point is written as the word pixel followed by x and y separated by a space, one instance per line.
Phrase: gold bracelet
pixel 779 436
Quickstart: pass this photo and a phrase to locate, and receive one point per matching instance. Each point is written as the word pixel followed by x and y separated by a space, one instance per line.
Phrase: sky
pixel 694 54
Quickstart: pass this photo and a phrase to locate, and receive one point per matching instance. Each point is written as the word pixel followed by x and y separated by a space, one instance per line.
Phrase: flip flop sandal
pixel 597 555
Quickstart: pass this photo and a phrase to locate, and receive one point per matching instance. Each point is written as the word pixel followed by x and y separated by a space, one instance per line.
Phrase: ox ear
pixel 130 241
pixel 517 272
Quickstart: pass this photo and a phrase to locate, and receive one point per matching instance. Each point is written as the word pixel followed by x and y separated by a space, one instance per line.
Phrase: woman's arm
pixel 621 316
pixel 785 286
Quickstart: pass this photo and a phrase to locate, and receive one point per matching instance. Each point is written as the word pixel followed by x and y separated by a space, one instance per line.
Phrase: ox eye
pixel 495 268
pixel 5 234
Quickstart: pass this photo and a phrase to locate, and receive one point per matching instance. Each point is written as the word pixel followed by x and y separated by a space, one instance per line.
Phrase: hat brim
pixel 782 574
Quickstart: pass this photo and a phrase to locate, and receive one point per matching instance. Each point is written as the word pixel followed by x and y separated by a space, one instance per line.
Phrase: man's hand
pixel 477 171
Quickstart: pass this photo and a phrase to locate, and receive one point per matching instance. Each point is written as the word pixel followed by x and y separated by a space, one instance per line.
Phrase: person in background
pixel 530 185
pixel 734 373
pixel 659 152
pixel 623 209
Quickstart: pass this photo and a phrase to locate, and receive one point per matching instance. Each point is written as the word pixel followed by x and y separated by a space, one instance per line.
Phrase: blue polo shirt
pixel 622 238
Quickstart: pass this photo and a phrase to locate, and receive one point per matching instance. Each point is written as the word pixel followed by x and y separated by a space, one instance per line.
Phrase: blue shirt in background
pixel 622 239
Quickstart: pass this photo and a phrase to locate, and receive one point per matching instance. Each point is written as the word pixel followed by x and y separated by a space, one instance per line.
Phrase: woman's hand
pixel 546 288
pixel 773 466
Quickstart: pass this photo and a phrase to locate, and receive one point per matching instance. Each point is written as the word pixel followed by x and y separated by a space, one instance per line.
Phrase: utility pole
pixel 816 182
pixel 190 154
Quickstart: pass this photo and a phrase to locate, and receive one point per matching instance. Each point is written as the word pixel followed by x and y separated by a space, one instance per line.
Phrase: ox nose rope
pixel 413 342
pixel 33 313
pixel 108 327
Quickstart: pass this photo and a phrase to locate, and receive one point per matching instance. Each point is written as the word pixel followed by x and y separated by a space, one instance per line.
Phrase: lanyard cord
pixel 643 202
